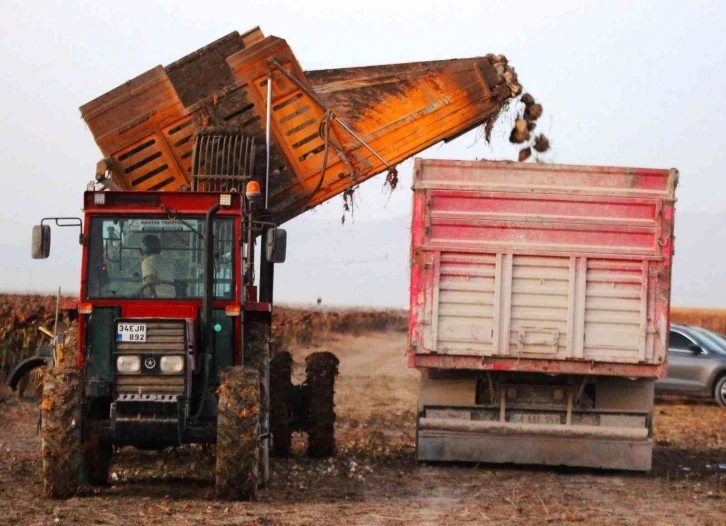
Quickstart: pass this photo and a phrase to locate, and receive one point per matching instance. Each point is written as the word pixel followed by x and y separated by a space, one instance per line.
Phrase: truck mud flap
pixel 555 445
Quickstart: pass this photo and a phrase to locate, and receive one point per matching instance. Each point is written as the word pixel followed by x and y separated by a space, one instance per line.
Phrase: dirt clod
pixel 541 143
pixel 524 154
pixel 527 99
pixel 519 133
pixel 392 178
pixel 533 112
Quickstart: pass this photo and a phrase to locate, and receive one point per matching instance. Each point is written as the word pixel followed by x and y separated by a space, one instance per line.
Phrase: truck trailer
pixel 539 311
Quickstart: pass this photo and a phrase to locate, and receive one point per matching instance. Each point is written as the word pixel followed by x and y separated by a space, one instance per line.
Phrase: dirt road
pixel 374 479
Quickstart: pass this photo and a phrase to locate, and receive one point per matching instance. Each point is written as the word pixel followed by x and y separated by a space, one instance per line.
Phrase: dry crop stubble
pixel 711 319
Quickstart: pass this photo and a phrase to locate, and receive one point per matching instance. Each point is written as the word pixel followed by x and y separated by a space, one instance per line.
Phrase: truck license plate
pixel 528 418
pixel 131 332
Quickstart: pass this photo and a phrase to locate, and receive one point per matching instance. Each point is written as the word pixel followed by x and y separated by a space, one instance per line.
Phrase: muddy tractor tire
pixel 321 368
pixel 61 430
pixel 238 439
pixel 97 454
pixel 280 410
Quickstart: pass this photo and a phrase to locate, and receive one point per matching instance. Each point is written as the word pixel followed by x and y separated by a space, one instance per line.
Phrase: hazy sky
pixel 638 83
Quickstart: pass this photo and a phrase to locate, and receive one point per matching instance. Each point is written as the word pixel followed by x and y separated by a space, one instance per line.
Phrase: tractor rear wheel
pixel 238 440
pixel 280 410
pixel 257 356
pixel 257 343
pixel 60 431
pixel 321 368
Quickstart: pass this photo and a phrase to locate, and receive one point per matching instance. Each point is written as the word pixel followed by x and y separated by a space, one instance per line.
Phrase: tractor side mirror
pixel 40 247
pixel 276 245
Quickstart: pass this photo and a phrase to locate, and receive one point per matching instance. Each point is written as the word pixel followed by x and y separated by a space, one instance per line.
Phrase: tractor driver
pixel 156 273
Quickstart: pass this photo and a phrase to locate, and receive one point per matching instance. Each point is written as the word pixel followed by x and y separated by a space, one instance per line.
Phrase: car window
pixel 710 340
pixel 678 342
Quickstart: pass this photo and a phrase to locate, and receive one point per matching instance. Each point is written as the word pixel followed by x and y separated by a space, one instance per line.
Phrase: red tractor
pixel 173 337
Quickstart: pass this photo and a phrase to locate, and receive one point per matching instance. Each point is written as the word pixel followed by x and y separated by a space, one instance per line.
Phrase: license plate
pixel 528 418
pixel 131 332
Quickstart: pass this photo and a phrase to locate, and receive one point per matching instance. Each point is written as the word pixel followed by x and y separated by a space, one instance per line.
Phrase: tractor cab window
pixel 159 258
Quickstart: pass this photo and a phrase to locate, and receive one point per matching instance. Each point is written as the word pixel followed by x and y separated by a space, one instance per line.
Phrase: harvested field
pixel 374 479
pixel 712 319
pixel 20 318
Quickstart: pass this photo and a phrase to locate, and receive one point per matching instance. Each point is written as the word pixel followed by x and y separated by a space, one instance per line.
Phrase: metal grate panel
pixel 222 162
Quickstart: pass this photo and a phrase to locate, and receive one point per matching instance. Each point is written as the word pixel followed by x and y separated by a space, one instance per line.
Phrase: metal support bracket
pixel 63 222
pixel 317 101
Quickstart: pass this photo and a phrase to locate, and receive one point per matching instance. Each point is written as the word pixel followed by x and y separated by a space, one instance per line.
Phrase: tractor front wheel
pixel 61 425
pixel 238 440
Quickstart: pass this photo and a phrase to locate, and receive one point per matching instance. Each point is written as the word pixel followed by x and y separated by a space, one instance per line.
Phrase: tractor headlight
pixel 171 364
pixel 128 364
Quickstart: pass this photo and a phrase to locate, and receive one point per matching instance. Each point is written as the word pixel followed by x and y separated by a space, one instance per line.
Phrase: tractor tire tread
pixel 238 441
pixel 61 432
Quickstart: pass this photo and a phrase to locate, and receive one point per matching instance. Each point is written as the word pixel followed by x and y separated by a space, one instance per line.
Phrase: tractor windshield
pixel 159 258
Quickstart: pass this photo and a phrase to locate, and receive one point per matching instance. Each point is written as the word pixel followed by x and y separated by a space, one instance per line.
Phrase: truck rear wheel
pixel 280 410
pixel 62 456
pixel 321 368
pixel 238 440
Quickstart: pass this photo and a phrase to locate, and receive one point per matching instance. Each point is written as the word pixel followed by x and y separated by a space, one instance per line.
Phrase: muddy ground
pixel 374 479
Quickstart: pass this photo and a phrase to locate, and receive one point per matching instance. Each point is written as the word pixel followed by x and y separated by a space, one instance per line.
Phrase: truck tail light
pixel 85 308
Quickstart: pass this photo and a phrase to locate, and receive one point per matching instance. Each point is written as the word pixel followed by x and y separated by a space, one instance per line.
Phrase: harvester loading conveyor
pixel 330 129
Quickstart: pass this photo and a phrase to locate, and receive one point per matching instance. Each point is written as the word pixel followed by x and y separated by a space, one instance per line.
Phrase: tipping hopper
pixel 330 129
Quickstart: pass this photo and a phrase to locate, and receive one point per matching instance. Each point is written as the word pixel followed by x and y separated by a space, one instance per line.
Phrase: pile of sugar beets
pixel 523 131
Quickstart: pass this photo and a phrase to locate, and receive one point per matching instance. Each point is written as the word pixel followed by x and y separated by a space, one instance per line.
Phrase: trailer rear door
pixel 535 265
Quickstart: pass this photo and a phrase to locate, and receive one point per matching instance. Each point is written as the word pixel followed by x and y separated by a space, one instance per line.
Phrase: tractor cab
pixel 153 263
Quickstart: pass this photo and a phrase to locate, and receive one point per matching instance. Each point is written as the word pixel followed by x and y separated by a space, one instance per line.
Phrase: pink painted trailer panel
pixel 543 268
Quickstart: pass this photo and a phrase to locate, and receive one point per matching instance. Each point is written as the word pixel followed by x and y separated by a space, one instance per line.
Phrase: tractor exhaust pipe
pixel 207 332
